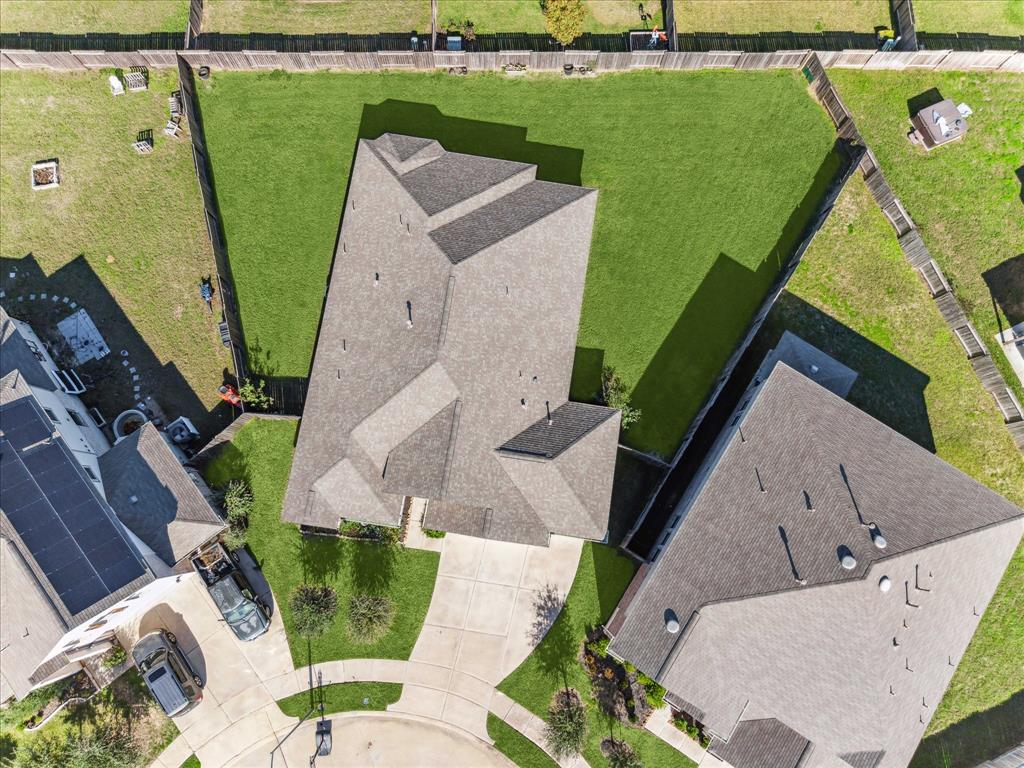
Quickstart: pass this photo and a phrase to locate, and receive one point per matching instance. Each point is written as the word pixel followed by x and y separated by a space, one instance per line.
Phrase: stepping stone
pixel 55 298
pixel 135 377
pixel 65 299
pixel 42 295
pixel 12 275
pixel 31 297
pixel 2 294
pixel 73 305
pixel 136 388
pixel 132 369
pixel 21 298
pixel 124 363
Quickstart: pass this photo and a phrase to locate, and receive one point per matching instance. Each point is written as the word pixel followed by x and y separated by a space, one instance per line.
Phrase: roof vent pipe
pixel 376 279
pixel 547 405
pixel 877 537
pixel 522 402
pixel 846 558
pixel 671 622
pixel 133 499
pixel 408 310
pixel 885 584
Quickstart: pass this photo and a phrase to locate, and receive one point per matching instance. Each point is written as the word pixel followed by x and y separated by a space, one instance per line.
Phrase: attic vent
pixel 671 622
pixel 846 559
pixel 885 583
pixel 876 536
pixel 133 499
pixel 814 368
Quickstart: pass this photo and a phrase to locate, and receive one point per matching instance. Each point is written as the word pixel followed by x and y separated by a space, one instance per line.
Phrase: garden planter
pixel 45 175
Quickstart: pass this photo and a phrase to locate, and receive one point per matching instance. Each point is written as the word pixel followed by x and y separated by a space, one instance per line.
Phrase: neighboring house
pixel 445 352
pixel 820 581
pixel 164 504
pixel 65 557
pixel 58 604
pixel 55 389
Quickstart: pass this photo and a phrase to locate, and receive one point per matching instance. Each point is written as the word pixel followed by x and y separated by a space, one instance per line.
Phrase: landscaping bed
pixel 673 279
pixel 261 454
pixel 560 662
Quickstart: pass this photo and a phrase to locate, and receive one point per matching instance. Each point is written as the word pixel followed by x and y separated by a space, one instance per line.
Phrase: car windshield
pixel 154 658
pixel 228 597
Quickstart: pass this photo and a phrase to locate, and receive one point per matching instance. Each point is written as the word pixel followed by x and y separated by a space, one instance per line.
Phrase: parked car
pixel 167 672
pixel 234 597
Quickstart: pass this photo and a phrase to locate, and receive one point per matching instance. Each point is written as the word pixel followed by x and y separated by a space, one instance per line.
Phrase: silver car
pixel 167 672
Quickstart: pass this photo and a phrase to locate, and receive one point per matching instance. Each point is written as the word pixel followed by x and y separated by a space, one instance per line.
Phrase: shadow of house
pixel 887 388
pixel 111 382
pixel 1006 287
pixel 1020 180
pixel 978 737
pixel 707 331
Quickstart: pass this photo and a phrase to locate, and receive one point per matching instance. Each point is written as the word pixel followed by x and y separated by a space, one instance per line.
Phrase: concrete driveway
pixel 490 608
pixel 234 712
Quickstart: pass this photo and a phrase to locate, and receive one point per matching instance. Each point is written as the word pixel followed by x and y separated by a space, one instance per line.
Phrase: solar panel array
pixel 58 514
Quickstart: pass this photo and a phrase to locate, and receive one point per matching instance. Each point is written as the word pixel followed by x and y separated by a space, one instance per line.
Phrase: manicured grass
pixel 123 235
pixel 748 16
pixel 601 578
pixel 192 762
pixel 994 17
pixel 694 215
pixel 965 197
pixel 343 697
pixel 605 16
pixel 516 747
pixel 80 16
pixel 262 453
pixel 856 297
pixel 306 18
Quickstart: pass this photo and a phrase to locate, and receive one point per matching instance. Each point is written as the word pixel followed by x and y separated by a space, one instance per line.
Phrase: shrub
pixel 254 395
pixel 313 609
pixel 238 501
pixel 115 657
pixel 107 745
pixel 564 19
pixel 614 394
pixel 383 534
pixel 566 729
pixel 369 617
pixel 235 536
pixel 620 754
pixel 430 533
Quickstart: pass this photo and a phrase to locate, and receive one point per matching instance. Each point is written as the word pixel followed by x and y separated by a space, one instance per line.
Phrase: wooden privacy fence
pixel 311 58
pixel 225 283
pixel 917 254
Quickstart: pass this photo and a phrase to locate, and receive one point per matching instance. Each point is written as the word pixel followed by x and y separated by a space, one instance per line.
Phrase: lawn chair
pixel 172 128
pixel 143 143
pixel 174 105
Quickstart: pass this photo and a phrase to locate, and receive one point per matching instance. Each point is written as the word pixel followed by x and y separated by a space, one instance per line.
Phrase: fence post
pixel 668 8
pixel 433 25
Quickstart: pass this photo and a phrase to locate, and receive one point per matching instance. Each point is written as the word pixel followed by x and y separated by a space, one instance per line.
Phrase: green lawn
pixel 996 17
pixel 964 197
pixel 856 297
pixel 343 697
pixel 604 16
pixel 123 235
pixel 601 578
pixel 80 16
pixel 516 747
pixel 191 762
pixel 301 17
pixel 693 217
pixel 748 16
pixel 262 452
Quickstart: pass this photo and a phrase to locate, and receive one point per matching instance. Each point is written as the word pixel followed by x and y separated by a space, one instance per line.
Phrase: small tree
pixel 614 394
pixel 238 505
pixel 564 19
pixel 566 729
pixel 313 609
pixel 254 395
pixel 369 617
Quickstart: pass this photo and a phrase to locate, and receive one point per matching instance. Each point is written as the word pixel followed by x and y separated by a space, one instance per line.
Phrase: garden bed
pixel 76 688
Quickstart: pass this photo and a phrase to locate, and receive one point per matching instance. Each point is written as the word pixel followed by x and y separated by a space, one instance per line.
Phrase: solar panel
pixel 58 514
pixel 21 425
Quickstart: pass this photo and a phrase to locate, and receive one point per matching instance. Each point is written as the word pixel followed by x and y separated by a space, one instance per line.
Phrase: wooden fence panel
pixel 721 59
pixel 851 59
pixel 478 62
pixel 1015 63
pixel 576 58
pixel 159 59
pixel 634 60
pixel 329 60
pixel 396 59
pixel 680 60
pixel 790 59
pixel 362 61
pixel 926 59
pixel 974 60
pixel 547 60
pixel 445 59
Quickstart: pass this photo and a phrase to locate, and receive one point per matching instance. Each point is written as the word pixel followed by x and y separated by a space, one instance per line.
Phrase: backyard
pixel 673 279
pixel 81 16
pixel 261 453
pixel 856 297
pixel 555 664
pixel 994 17
pixel 966 197
pixel 748 16
pixel 123 236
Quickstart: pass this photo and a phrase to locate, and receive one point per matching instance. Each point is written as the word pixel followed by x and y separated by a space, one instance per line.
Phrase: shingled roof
pixel 449 332
pixel 772 623
pixel 153 495
pixel 16 355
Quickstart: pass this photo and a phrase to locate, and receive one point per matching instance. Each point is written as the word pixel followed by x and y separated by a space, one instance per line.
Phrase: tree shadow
pixel 715 318
pixel 372 566
pixel 923 100
pixel 558 645
pixel 978 737
pixel 1005 283
pixel 111 386
pixel 586 375
pixel 320 558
